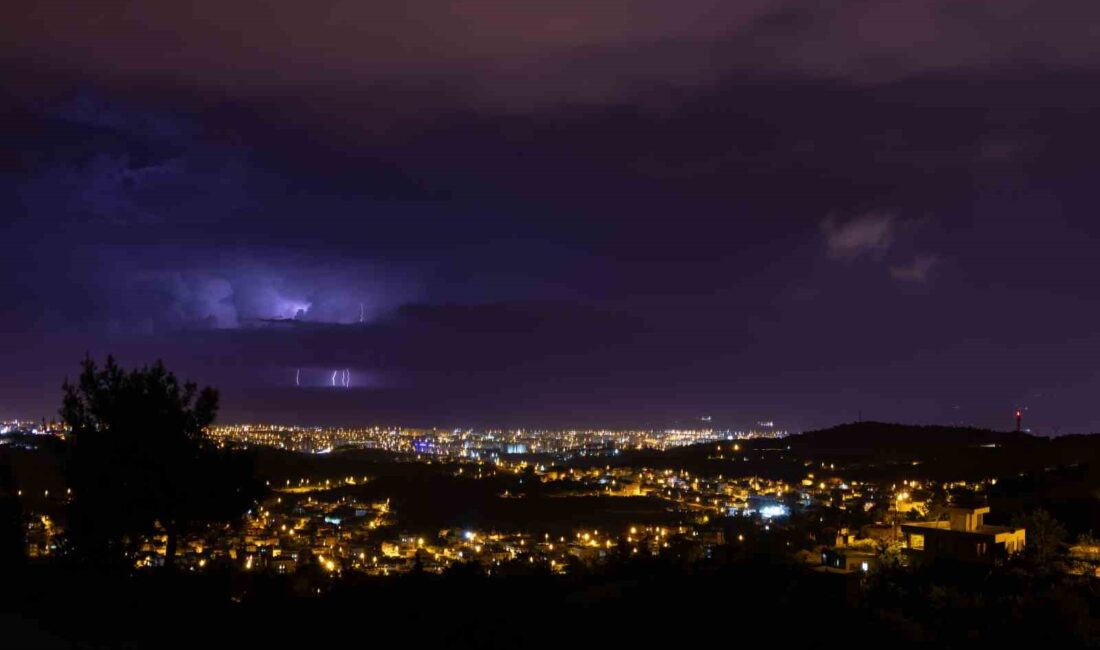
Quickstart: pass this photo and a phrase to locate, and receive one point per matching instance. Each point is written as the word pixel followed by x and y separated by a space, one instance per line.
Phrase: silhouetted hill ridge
pixel 878 435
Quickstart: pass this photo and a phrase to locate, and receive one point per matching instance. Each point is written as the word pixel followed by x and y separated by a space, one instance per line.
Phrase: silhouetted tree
pixel 937 508
pixel 469 570
pixel 1046 538
pixel 139 459
pixel 418 563
pixel 12 541
pixel 888 555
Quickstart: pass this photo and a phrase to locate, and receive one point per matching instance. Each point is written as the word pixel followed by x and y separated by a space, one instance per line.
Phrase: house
pixel 848 559
pixel 965 537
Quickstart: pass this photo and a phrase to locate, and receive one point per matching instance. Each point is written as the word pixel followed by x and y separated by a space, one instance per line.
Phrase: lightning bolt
pixel 334 377
pixel 347 378
pixel 360 312
pixel 298 377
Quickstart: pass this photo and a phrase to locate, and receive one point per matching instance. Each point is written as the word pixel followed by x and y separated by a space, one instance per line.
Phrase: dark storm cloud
pixel 165 214
pixel 538 52
pixel 105 161
pixel 118 188
pixel 574 212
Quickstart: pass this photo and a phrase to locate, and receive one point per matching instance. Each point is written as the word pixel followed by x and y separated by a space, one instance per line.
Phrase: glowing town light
pixel 769 512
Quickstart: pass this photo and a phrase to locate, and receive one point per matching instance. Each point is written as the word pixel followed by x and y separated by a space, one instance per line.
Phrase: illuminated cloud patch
pixel 869 234
pixel 917 271
pixel 252 294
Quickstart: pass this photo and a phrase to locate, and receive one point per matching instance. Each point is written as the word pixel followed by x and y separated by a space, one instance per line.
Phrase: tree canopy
pixel 139 463
pixel 11 517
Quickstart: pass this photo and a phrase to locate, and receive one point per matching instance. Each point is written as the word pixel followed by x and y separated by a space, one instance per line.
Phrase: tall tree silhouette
pixel 1046 539
pixel 12 542
pixel 139 460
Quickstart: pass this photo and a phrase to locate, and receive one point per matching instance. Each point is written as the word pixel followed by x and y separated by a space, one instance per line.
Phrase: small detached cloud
pixel 916 271
pixel 870 234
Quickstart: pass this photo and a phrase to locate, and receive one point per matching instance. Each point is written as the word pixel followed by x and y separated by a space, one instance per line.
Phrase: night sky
pixel 626 212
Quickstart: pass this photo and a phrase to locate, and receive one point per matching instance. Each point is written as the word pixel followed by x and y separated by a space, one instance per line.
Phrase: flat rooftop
pixel 946 525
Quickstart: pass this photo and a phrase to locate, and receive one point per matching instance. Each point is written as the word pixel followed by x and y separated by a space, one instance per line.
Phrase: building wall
pixel 959 545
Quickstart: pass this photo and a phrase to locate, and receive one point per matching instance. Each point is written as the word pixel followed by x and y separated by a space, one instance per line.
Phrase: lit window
pixel 916 542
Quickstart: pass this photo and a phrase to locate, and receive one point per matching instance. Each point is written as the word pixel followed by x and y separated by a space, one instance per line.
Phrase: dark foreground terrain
pixel 644 604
